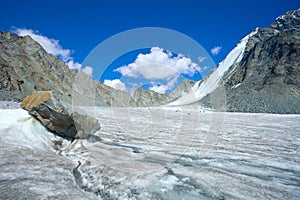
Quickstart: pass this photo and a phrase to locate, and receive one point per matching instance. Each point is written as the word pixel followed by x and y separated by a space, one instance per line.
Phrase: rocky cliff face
pixel 26 67
pixel 267 78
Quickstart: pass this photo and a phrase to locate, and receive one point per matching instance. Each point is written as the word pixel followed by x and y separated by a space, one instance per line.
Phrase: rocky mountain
pixel 140 97
pixel 261 74
pixel 26 67
pixel 182 89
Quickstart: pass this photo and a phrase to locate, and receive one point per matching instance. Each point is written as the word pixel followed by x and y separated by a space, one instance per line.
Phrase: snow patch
pixel 235 86
pixel 17 127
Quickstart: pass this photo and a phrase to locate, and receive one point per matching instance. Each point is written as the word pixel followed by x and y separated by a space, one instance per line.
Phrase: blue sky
pixel 81 25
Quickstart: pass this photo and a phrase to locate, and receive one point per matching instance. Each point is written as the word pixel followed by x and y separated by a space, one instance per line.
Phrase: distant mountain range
pixel 261 74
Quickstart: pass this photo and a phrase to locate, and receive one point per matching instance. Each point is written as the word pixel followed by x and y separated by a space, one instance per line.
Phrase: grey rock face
pixel 182 89
pixel 85 125
pixel 53 120
pixel 141 98
pixel 26 67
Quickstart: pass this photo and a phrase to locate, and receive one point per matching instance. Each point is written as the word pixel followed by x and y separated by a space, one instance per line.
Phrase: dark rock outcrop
pixel 57 118
pixel 267 79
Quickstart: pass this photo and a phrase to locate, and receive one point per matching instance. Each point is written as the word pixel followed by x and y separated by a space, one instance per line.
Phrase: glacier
pixel 153 153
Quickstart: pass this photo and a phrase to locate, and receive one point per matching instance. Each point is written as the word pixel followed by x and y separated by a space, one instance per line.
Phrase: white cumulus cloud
pixel 159 64
pixel 216 50
pixel 53 46
pixel 115 83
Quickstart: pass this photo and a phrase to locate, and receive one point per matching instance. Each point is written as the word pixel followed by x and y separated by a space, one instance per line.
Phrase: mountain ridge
pixel 265 75
pixel 26 67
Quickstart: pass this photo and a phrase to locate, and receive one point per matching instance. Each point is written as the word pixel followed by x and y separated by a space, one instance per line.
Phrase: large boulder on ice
pixel 54 115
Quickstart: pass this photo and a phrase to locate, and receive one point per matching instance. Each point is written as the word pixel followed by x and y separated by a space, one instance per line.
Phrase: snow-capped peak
pixel 292 13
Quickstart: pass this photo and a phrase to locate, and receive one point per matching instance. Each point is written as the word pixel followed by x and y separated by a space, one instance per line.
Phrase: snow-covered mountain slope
pixel 208 85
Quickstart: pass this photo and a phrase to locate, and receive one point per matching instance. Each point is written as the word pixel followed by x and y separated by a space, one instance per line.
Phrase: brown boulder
pixel 35 99
pixel 57 118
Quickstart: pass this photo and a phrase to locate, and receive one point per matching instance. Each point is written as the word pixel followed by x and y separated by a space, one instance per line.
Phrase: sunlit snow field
pixel 154 153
